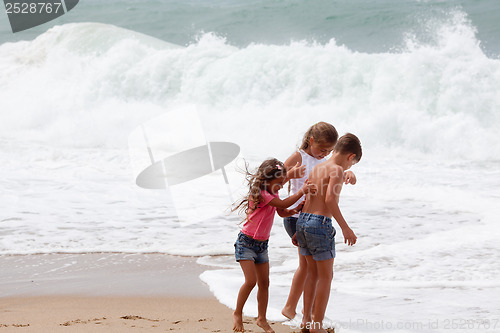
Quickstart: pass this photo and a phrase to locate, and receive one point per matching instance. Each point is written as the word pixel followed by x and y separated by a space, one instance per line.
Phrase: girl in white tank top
pixel 318 142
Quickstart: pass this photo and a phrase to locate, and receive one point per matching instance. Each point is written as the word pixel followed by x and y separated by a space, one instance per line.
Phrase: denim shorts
pixel 290 224
pixel 316 236
pixel 247 248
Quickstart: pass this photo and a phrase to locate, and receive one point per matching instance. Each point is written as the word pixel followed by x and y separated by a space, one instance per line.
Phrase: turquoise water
pixel 365 26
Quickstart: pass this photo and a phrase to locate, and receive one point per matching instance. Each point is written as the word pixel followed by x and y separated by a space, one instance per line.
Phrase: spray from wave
pixel 90 84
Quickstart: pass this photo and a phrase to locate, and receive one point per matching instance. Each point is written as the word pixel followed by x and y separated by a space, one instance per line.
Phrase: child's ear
pixel 311 141
pixel 351 157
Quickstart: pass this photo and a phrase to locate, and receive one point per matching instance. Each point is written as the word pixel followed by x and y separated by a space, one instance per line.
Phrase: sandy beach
pixel 110 293
pixel 118 314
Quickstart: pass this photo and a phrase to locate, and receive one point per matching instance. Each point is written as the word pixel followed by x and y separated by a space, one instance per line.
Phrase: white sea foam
pixel 92 84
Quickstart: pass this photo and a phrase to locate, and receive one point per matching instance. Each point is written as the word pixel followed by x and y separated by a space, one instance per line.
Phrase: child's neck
pixel 338 159
pixel 308 151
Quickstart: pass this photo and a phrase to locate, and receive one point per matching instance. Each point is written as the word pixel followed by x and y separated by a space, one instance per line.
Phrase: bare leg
pixel 309 290
pixel 325 276
pixel 250 272
pixel 263 296
pixel 299 278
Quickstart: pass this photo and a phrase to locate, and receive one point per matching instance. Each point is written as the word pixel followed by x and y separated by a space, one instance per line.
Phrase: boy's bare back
pixel 329 178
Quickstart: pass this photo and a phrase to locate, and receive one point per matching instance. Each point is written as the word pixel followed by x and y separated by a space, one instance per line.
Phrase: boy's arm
pixel 332 202
pixel 349 177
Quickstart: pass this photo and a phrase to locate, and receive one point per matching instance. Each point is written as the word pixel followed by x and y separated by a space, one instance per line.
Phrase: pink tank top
pixel 259 223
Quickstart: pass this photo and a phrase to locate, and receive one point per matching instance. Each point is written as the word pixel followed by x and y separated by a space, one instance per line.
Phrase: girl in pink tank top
pixel 259 206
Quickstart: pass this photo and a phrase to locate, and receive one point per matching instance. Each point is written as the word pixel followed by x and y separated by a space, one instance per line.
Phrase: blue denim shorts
pixel 290 224
pixel 247 248
pixel 316 236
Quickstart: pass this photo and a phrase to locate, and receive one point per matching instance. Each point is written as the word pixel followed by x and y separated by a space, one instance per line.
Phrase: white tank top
pixel 297 183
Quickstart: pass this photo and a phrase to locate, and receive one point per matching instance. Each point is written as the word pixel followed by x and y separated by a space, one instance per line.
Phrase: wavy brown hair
pixel 269 170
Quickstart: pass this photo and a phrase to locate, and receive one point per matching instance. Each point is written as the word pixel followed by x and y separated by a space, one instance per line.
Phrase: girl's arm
pixel 286 212
pixel 293 167
pixel 290 212
pixel 285 203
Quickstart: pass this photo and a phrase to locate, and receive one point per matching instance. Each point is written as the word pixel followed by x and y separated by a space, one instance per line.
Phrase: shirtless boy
pixel 315 233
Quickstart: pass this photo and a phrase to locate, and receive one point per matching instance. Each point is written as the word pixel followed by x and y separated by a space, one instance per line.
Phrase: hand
pixel 297 171
pixel 299 207
pixel 294 240
pixel 309 188
pixel 349 236
pixel 349 177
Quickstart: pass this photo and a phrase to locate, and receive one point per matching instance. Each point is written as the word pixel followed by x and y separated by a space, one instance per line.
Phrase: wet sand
pixel 110 292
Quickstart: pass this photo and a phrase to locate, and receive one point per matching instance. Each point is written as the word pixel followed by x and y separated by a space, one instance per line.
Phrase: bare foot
pixel 288 312
pixel 238 322
pixel 262 323
pixel 304 328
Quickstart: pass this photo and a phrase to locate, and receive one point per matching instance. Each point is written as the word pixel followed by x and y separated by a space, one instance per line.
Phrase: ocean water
pixel 417 81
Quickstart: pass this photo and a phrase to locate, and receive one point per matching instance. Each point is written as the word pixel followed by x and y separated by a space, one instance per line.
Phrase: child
pixel 318 142
pixel 315 233
pixel 251 246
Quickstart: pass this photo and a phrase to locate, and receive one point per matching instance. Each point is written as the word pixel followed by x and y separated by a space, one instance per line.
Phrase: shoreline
pixel 101 273
pixel 110 292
